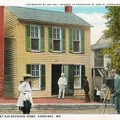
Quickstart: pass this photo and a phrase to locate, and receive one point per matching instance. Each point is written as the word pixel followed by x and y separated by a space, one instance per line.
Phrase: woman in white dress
pixel 25 98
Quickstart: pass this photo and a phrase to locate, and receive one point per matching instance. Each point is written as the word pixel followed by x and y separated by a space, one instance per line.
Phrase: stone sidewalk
pixel 85 108
pixel 58 106
pixel 52 110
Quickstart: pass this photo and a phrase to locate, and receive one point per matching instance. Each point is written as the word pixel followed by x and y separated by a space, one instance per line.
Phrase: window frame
pixel 56 39
pixel 34 38
pixel 78 75
pixel 39 76
pixel 77 40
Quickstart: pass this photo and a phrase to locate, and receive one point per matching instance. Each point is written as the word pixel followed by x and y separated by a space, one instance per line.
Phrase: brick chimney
pixel 68 9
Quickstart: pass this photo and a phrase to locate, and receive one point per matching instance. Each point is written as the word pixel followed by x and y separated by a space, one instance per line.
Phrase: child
pixel 98 95
pixel 95 97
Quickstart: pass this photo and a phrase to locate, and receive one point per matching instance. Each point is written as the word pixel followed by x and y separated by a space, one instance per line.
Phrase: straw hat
pixel 27 75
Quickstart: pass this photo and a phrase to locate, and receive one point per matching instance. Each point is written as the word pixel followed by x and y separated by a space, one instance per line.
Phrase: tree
pixel 113 31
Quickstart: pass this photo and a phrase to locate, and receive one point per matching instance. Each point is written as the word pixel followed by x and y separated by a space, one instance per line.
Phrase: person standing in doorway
pixel 116 94
pixel 62 82
pixel 86 89
pixel 25 98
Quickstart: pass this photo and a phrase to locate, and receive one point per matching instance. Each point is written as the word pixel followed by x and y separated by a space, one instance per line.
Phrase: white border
pixel 64 2
pixel 58 2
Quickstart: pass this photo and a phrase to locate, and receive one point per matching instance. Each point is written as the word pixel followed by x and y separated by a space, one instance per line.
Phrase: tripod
pixel 104 104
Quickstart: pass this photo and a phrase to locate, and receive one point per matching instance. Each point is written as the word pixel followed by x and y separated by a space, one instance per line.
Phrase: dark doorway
pixel 56 72
pixel 69 74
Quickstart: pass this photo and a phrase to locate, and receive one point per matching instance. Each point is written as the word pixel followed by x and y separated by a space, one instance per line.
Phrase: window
pixel 79 72
pixel 99 59
pixel 35 83
pixel 34 36
pixel 35 70
pixel 76 41
pixel 56 39
pixel 38 76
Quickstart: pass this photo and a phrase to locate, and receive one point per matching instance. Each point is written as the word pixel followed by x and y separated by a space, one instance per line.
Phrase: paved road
pixel 100 110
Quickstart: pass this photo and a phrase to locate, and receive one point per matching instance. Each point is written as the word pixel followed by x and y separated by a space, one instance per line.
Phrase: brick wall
pixel 1 50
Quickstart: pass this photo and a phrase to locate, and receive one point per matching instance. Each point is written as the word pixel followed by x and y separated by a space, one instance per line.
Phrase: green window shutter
pixel 42 42
pixel 82 42
pixel 71 79
pixel 50 41
pixel 82 74
pixel 63 40
pixel 43 77
pixel 70 41
pixel 27 37
pixel 28 69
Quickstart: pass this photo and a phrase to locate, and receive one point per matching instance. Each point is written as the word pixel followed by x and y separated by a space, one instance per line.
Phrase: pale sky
pixel 98 23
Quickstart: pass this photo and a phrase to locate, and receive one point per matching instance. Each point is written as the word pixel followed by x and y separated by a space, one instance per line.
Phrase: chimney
pixel 68 9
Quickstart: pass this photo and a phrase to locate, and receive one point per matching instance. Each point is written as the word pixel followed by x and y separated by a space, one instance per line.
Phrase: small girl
pixel 98 95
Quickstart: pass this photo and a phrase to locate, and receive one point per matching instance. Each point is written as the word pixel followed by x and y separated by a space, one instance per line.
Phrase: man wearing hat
pixel 116 94
pixel 86 89
pixel 25 99
pixel 62 82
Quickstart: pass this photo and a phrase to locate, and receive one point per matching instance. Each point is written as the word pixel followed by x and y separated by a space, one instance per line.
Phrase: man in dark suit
pixel 86 89
pixel 116 94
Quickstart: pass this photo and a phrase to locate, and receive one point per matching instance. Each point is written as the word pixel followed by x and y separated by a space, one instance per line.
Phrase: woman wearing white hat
pixel 25 99
pixel 62 82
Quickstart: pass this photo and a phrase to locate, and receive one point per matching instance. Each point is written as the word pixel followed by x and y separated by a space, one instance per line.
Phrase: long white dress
pixel 25 94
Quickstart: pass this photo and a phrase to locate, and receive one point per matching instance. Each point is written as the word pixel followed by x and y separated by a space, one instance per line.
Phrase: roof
pixel 32 14
pixel 100 46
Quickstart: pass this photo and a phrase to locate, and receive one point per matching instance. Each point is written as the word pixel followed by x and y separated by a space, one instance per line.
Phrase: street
pixel 100 110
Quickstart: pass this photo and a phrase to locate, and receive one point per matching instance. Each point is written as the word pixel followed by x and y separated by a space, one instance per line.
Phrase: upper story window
pixel 56 39
pixel 76 41
pixel 99 59
pixel 34 37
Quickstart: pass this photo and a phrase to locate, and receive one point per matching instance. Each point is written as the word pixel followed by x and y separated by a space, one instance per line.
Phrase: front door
pixel 56 72
pixel 69 74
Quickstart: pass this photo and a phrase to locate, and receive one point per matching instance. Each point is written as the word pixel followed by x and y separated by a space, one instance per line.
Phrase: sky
pixel 91 14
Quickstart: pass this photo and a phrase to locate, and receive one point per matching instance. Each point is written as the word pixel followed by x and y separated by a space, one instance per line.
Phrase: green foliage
pixel 113 52
pixel 113 23
pixel 113 32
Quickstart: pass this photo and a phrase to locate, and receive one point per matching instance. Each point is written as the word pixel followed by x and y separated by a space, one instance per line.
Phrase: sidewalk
pixel 49 100
pixel 53 104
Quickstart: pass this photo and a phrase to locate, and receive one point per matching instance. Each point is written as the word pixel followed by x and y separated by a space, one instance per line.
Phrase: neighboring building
pixel 99 63
pixel 44 44
pixel 1 50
